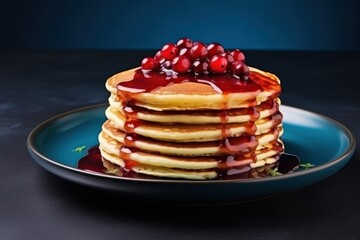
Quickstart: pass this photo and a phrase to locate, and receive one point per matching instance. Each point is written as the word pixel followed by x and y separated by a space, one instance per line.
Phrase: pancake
pixel 184 95
pixel 178 167
pixel 178 123
pixel 193 133
pixel 265 109
pixel 114 147
pixel 149 172
pixel 210 148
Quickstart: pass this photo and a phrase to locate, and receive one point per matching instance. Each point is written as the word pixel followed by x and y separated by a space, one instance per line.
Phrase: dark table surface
pixel 34 204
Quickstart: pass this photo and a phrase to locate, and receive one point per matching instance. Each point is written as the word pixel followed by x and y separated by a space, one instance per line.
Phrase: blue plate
pixel 316 139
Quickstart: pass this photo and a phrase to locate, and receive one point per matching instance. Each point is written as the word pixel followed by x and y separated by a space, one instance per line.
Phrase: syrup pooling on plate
pixel 93 162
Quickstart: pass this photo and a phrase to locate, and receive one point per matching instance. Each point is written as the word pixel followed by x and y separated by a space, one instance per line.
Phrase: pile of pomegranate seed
pixel 196 57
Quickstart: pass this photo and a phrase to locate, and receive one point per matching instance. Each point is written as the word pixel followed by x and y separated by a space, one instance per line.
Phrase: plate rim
pixel 32 150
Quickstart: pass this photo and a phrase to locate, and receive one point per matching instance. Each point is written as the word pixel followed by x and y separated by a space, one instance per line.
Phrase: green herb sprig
pixel 306 165
pixel 274 172
pixel 79 149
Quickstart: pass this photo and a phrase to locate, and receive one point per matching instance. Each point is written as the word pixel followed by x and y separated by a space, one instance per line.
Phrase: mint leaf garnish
pixel 274 172
pixel 306 165
pixel 79 149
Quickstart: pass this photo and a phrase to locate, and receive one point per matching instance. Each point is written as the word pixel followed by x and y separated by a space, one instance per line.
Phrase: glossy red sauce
pixel 234 152
pixel 287 163
pixel 223 84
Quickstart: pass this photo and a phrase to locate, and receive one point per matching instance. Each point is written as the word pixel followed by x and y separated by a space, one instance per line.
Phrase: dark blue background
pixel 111 24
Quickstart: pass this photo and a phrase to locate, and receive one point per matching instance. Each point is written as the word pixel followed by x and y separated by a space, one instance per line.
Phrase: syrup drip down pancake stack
pixel 192 112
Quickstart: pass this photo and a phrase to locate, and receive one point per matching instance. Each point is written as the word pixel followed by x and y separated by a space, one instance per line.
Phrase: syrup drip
pixel 152 81
pixel 235 152
pixel 227 146
pixel 287 163
pixel 92 161
pixel 132 111
pixel 238 145
pixel 232 162
pixel 131 124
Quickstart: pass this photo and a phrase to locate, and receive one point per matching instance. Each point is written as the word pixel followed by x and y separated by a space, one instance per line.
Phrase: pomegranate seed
pixel 228 57
pixel 181 64
pixel 169 51
pixel 238 55
pixel 198 51
pixel 167 64
pixel 199 67
pixel 240 69
pixel 149 63
pixel 214 49
pixel 158 57
pixel 185 52
pixel 184 43
pixel 218 64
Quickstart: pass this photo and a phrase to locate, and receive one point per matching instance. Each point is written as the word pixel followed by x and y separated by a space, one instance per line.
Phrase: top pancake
pixel 189 95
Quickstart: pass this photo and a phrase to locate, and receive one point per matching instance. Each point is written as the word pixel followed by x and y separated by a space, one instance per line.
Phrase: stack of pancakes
pixel 191 129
